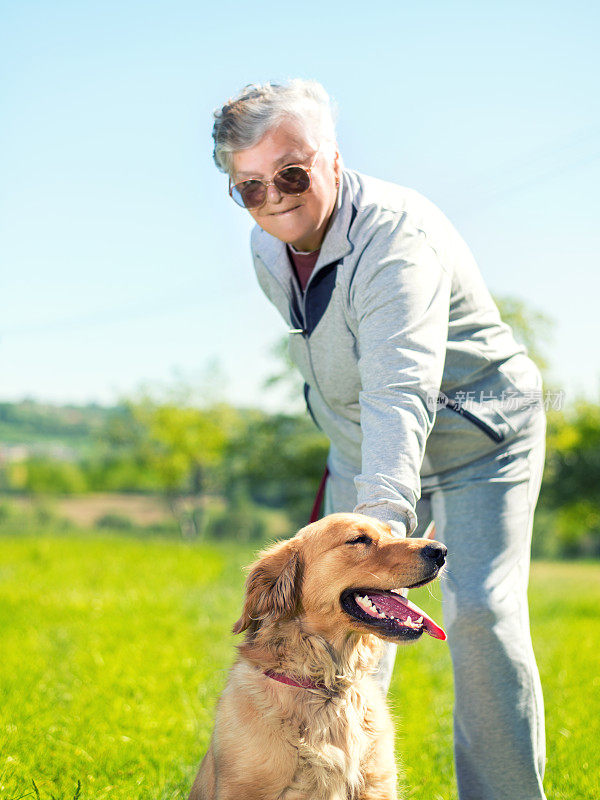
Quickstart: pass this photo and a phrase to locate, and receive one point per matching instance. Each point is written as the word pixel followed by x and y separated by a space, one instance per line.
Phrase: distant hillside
pixel 43 426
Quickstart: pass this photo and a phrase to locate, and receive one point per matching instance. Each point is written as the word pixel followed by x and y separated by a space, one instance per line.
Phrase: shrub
pixel 240 520
pixel 119 522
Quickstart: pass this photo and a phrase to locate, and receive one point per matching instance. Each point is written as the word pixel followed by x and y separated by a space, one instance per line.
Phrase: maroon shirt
pixel 303 265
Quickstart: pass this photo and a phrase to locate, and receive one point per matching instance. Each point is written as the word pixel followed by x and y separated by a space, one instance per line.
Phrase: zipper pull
pixel 297 330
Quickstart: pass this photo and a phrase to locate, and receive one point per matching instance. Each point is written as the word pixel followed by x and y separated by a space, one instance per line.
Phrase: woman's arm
pixel 401 298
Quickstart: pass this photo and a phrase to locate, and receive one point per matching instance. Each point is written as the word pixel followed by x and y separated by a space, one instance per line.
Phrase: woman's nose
pixel 273 194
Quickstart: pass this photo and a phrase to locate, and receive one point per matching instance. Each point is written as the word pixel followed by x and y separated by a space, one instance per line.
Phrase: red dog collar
pixel 304 683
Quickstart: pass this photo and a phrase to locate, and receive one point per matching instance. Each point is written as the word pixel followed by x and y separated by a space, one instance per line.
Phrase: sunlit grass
pixel 114 652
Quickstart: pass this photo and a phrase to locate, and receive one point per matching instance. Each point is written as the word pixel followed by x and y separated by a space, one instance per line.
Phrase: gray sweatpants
pixel 484 514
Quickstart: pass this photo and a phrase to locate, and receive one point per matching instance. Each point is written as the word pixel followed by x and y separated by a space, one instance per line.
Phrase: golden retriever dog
pixel 301 717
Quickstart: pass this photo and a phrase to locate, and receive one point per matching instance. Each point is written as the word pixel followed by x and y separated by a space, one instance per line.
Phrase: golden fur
pixel 274 741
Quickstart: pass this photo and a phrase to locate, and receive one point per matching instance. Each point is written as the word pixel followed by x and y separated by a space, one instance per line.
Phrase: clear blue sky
pixel 123 258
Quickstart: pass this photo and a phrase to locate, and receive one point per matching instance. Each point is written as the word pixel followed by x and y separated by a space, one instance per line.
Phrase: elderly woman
pixel 431 407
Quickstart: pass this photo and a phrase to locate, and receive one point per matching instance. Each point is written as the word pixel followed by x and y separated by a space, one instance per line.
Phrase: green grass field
pixel 114 651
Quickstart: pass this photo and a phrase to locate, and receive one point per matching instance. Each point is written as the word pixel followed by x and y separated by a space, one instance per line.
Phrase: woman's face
pixel 297 220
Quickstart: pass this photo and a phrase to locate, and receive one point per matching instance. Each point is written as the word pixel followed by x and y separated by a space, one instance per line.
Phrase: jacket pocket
pixel 489 428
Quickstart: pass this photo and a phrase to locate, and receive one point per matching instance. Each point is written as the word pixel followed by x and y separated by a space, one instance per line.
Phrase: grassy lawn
pixel 114 651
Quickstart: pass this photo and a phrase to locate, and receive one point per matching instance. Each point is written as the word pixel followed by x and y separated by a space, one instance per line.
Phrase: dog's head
pixel 341 574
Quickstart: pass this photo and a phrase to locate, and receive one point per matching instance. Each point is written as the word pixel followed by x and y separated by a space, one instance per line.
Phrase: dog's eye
pixel 362 539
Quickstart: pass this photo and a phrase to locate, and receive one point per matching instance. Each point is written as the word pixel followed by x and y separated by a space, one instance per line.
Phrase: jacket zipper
pixel 301 330
pixel 308 408
pixel 310 358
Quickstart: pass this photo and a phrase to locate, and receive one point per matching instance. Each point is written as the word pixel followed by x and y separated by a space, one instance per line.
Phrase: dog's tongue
pixel 400 606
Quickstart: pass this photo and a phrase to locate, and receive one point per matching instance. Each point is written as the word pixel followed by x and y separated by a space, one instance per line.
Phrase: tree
pixel 530 327
pixel 38 475
pixel 285 373
pixel 181 445
pixel 279 460
pixel 571 480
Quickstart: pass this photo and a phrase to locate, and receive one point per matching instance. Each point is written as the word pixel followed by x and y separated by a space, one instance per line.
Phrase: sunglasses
pixel 293 179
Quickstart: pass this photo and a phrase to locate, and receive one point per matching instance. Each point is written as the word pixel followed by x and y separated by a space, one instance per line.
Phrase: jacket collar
pixel 336 243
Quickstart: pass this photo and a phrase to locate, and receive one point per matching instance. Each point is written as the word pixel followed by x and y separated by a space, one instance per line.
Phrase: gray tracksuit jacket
pixel 395 312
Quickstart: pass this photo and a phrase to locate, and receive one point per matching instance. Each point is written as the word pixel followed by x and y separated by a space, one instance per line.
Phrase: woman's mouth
pixel 281 213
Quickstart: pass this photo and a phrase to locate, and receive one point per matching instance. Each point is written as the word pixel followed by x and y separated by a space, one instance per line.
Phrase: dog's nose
pixel 435 552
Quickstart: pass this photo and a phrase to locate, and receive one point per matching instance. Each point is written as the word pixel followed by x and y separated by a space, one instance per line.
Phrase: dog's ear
pixel 272 587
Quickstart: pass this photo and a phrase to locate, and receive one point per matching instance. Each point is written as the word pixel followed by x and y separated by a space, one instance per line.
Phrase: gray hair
pixel 245 119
